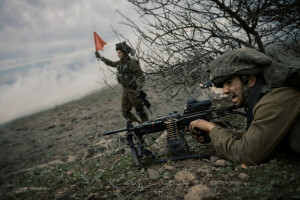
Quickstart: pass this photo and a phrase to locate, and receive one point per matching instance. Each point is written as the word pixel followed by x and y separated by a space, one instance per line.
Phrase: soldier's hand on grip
pixel 201 137
pixel 98 55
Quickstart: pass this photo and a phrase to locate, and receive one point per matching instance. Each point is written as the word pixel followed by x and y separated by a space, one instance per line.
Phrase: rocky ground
pixel 61 154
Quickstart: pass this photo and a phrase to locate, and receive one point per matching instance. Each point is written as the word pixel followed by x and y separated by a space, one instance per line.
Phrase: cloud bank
pixel 47 51
pixel 44 87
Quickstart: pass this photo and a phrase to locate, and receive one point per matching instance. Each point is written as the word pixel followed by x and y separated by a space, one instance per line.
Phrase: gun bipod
pixel 139 151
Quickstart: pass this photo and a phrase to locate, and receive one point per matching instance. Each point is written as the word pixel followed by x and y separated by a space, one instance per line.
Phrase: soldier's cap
pixel 122 46
pixel 244 61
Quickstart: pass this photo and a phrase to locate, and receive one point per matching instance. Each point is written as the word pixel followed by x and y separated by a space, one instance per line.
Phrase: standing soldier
pixel 131 77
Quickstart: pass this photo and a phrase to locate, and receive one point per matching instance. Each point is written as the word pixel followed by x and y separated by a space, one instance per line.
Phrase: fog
pixel 46 86
pixel 47 51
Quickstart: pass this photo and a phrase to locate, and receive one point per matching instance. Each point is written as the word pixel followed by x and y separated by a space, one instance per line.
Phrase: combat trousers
pixel 129 100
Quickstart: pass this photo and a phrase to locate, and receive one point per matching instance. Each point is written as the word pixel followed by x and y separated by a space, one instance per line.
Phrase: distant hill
pixel 72 128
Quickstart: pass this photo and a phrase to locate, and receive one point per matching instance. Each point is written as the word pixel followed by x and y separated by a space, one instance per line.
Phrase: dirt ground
pixel 79 163
pixel 70 129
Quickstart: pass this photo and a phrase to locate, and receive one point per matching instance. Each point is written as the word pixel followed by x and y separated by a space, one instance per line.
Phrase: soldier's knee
pixel 142 114
pixel 126 114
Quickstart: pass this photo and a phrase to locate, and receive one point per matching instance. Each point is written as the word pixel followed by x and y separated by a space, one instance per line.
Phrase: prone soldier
pixel 269 92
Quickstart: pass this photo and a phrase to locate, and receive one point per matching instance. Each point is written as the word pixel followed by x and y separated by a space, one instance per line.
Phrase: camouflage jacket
pixel 129 73
pixel 274 116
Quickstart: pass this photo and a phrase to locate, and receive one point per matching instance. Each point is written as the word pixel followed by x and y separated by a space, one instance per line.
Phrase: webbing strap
pixel 254 97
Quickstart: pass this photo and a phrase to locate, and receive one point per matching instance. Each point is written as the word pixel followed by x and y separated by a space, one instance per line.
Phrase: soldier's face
pixel 234 88
pixel 120 54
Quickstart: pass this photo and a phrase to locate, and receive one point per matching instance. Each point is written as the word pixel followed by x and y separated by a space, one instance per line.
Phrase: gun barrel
pixel 115 131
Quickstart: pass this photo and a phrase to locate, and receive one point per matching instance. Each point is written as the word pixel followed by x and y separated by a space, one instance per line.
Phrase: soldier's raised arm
pixel 107 61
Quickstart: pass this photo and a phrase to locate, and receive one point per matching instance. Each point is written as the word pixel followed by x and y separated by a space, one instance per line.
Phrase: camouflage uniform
pixel 130 76
pixel 276 113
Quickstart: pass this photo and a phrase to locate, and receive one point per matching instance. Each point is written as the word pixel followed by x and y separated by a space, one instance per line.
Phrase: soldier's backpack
pixel 291 60
pixel 284 58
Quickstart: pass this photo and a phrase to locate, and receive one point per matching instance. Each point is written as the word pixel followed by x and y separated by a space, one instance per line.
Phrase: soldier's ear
pixel 251 81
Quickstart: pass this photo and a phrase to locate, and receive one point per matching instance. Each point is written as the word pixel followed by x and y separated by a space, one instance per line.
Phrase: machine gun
pixel 175 124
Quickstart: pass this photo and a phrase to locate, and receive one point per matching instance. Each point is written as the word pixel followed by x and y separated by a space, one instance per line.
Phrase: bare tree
pixel 181 36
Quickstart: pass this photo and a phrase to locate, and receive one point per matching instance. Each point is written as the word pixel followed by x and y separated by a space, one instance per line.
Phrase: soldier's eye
pixel 228 82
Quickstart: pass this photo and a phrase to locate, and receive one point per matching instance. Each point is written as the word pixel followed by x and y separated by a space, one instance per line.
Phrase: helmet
pixel 246 61
pixel 122 46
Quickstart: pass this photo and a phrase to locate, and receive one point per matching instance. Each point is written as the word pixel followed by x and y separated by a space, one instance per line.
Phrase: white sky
pixel 47 50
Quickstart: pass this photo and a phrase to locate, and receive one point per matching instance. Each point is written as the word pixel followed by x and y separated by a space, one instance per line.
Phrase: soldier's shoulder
pixel 134 62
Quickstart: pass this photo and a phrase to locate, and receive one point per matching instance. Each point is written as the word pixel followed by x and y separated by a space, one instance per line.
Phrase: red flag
pixel 99 43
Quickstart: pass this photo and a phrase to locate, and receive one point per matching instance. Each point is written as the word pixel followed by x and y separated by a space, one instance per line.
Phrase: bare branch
pixel 179 37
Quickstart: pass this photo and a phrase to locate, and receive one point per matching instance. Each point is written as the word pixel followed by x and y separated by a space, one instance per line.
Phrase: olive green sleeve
pixel 274 115
pixel 109 62
pixel 138 73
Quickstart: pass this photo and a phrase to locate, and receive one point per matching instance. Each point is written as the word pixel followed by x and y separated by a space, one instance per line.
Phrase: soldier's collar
pixel 125 58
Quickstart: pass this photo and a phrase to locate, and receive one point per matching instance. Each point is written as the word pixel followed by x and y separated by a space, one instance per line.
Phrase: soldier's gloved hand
pixel 201 137
pixel 98 55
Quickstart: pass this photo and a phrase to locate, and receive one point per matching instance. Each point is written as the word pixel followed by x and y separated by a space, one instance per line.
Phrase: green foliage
pixel 109 174
pixel 85 177
pixel 5 142
pixel 225 170
pixel 276 179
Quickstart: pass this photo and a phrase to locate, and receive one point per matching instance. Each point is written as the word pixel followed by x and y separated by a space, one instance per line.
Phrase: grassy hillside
pixel 62 154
